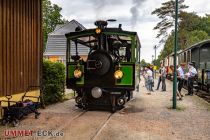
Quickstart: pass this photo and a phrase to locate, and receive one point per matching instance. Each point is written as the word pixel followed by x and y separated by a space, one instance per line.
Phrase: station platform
pixel 147 117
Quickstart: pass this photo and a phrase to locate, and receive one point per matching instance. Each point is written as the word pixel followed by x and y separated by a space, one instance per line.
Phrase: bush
pixel 53 81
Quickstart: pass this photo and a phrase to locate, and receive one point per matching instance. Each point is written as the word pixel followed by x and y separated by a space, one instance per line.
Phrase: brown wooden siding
pixel 20 45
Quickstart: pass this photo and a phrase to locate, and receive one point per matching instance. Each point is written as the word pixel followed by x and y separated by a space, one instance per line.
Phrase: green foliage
pixel 192 28
pixel 178 108
pixel 205 24
pixel 51 17
pixel 143 63
pixel 197 36
pixel 189 21
pixel 167 15
pixel 53 81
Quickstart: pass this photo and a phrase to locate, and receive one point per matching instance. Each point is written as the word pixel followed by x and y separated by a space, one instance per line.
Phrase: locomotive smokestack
pixel 101 24
pixel 120 26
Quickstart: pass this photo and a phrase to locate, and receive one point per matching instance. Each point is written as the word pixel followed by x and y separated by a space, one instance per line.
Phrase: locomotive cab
pixel 106 77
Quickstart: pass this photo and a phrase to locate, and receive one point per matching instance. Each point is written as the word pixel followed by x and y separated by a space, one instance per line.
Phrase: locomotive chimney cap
pixel 101 23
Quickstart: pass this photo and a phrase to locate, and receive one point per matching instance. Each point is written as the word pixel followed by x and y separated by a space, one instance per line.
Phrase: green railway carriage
pixel 106 78
pixel 199 55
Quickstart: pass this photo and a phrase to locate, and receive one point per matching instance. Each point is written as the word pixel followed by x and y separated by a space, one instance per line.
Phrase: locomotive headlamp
pixel 96 92
pixel 77 73
pixel 98 30
pixel 118 74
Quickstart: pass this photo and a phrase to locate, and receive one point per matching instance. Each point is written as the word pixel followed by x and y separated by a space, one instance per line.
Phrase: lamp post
pixel 175 53
pixel 155 48
pixel 153 67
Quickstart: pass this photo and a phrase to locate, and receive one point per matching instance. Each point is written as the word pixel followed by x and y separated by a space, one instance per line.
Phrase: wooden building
pixel 20 46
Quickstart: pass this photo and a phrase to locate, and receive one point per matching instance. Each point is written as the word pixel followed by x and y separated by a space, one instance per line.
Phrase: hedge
pixel 53 81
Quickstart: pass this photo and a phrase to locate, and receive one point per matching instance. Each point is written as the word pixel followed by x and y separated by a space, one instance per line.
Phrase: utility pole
pixel 175 53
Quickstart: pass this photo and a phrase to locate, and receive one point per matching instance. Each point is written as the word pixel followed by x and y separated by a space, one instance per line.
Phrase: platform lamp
pixel 155 63
pixel 153 66
pixel 175 54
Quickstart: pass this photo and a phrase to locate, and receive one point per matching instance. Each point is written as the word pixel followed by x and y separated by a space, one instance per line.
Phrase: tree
pixel 189 21
pixel 51 17
pixel 205 24
pixel 167 15
pixel 197 36
pixel 143 63
pixel 193 29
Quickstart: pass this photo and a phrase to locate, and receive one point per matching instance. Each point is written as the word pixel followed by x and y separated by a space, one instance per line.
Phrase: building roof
pixel 67 27
pixel 199 44
pixel 196 45
pixel 56 42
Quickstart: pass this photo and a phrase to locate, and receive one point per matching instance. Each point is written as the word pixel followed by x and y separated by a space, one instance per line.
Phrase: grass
pixel 178 108
pixel 69 96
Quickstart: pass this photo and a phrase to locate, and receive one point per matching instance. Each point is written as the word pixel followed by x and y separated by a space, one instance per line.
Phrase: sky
pixel 134 15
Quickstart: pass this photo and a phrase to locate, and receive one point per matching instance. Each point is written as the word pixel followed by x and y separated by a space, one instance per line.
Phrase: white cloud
pixel 87 11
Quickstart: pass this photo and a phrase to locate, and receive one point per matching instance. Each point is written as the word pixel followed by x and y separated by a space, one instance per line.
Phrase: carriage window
pixel 204 50
pixel 122 51
pixel 185 56
pixel 125 54
pixel 117 45
pixel 188 56
pixel 179 59
pixel 182 56
pixel 120 47
pixel 81 51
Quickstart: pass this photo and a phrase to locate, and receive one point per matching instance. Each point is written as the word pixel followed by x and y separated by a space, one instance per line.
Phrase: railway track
pixel 200 93
pixel 204 95
pixel 68 123
pixel 99 130
pixel 78 116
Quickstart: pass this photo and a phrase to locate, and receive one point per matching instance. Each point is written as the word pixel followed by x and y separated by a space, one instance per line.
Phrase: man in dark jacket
pixel 191 77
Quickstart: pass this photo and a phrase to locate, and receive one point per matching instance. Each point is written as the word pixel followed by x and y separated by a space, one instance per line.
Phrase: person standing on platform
pixel 144 76
pixel 180 78
pixel 177 92
pixel 191 77
pixel 150 79
pixel 163 78
pixel 159 77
